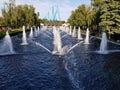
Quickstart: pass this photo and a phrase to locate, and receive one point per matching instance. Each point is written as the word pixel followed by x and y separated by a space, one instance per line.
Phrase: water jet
pixel 24 39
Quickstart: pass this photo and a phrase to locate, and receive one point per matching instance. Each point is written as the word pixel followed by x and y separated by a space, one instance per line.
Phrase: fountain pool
pixel 34 68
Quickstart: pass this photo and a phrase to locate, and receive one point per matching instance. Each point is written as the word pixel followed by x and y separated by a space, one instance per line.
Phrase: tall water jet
pixel 87 37
pixel 31 33
pixel 67 29
pixel 7 47
pixel 35 32
pixel 56 41
pixel 74 32
pixel 24 40
pixel 70 33
pixel 38 30
pixel 103 44
pixel 79 34
pixel 59 47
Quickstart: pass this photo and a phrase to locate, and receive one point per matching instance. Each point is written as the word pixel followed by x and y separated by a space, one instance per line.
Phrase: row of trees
pixel 17 16
pixel 103 13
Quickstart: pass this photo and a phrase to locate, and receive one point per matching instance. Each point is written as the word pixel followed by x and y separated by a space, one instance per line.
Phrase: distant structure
pixel 53 14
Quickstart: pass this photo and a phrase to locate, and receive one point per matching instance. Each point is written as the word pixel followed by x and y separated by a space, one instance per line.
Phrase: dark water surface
pixel 33 68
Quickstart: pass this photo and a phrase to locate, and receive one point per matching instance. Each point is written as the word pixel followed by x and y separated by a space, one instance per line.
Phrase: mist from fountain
pixel 7 47
pixel 24 39
pixel 79 34
pixel 87 37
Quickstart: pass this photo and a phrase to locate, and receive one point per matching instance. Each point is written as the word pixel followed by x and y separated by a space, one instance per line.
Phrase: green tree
pixel 6 17
pixel 8 14
pixel 96 6
pixel 20 15
pixel 110 16
pixel 82 16
pixel 1 21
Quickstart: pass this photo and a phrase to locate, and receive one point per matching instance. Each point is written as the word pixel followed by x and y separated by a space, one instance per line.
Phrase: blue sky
pixel 43 6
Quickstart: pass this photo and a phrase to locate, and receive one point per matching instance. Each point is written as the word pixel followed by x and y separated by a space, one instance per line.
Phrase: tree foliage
pixel 82 16
pixel 20 15
pixel 110 16
pixel 96 6
pixel 1 21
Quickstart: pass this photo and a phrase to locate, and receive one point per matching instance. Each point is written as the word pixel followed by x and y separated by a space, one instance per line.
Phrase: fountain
pixel 57 41
pixel 87 37
pixel 24 40
pixel 31 33
pixel 70 30
pixel 38 30
pixel 7 47
pixel 38 64
pixel 58 49
pixel 74 32
pixel 35 32
pixel 79 34
pixel 103 44
pixel 67 29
